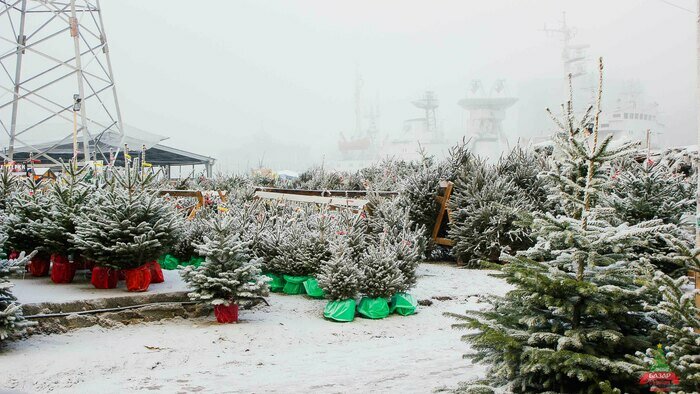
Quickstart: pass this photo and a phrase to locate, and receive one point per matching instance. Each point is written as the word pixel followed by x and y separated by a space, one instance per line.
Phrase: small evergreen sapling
pixel 382 276
pixel 229 273
pixel 340 277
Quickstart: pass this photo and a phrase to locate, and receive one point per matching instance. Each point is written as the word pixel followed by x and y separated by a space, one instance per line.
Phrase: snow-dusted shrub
pixel 229 273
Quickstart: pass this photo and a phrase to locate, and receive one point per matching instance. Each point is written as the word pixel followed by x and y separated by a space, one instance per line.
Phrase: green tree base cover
pixel 403 303
pixel 373 308
pixel 294 284
pixel 170 262
pixel 340 311
pixel 312 289
pixel 276 282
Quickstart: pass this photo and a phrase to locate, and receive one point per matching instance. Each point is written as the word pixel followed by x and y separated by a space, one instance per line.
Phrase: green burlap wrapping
pixel 403 303
pixel 340 311
pixel 373 308
pixel 294 284
pixel 170 262
pixel 276 284
pixel 312 289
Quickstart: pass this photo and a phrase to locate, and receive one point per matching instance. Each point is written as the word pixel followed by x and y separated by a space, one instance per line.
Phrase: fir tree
pixel 418 193
pixel 28 208
pixel 191 233
pixel 484 209
pixel 304 245
pixel 340 277
pixel 229 273
pixel 576 314
pixel 8 185
pixel 647 191
pixel 125 224
pixel 12 322
pixel 66 199
pixel 382 276
pixel 680 322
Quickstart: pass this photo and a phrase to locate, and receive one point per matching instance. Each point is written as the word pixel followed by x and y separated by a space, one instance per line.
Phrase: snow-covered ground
pixel 286 347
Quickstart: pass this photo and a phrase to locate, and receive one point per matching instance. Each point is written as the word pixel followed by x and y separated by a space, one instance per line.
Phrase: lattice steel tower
pixel 52 55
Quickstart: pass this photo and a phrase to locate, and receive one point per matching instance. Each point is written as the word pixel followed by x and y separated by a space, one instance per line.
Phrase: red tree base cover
pixel 39 265
pixel 138 279
pixel 226 313
pixel 104 278
pixel 62 271
pixel 156 272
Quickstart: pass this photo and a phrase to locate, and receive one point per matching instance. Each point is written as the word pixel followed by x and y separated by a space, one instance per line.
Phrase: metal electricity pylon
pixel 52 54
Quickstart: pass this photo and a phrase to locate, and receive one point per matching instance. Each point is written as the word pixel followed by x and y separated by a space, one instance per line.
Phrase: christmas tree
pixel 125 224
pixel 12 322
pixel 66 198
pixel 382 276
pixel 679 324
pixel 8 185
pixel 192 233
pixel 576 313
pixel 304 243
pixel 340 277
pixel 28 208
pixel 229 273
pixel 648 190
pixel 418 192
pixel 485 208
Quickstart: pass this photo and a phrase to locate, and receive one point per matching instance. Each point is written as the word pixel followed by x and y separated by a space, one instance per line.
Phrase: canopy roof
pixel 101 146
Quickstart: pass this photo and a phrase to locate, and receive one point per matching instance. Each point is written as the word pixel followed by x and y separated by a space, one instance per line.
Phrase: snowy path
pixel 286 347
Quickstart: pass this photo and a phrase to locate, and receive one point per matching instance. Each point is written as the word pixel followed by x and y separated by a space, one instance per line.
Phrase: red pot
pixel 39 265
pixel 138 279
pixel 226 313
pixel 104 278
pixel 156 272
pixel 63 270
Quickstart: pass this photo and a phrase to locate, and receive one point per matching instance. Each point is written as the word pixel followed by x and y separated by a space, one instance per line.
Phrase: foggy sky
pixel 215 76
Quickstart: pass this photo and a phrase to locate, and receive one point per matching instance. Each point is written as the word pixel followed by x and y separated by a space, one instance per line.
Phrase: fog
pixel 254 82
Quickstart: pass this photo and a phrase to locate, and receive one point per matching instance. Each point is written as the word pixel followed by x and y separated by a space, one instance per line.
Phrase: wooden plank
pixel 443 201
pixel 327 193
pixel 333 201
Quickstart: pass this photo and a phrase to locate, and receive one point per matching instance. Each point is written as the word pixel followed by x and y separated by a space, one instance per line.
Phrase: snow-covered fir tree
pixel 191 233
pixel 66 198
pixel 125 224
pixel 304 244
pixel 381 276
pixel 8 185
pixel 576 313
pixel 485 206
pixel 418 192
pixel 340 277
pixel 648 190
pixel 229 273
pixel 27 210
pixel 12 322
pixel 679 324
